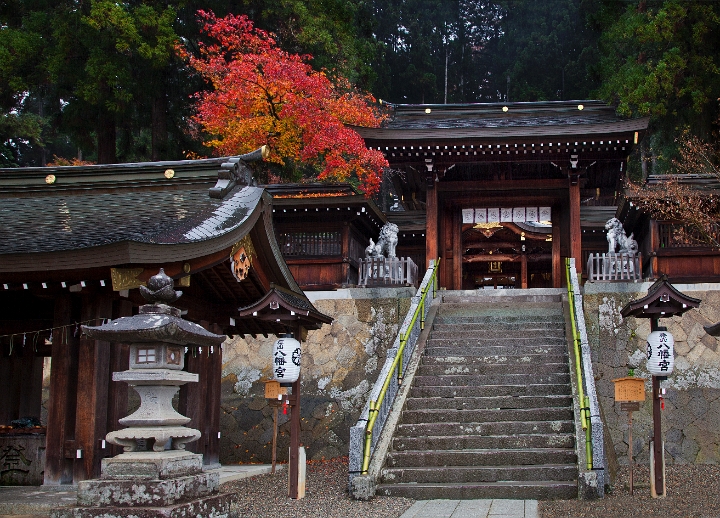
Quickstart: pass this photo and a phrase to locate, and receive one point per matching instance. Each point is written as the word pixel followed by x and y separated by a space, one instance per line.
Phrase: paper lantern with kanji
pixel 660 353
pixel 286 359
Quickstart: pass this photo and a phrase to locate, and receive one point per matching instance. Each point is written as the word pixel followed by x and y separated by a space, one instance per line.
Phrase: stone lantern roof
pixel 156 322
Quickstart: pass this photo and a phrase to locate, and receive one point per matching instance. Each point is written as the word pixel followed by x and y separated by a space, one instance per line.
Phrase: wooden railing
pixel 614 267
pixel 304 244
pixel 382 271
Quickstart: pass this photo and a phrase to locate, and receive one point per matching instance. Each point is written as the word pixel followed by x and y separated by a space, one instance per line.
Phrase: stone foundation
pixel 691 420
pixel 340 362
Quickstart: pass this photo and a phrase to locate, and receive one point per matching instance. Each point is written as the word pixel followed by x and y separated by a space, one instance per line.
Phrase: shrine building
pixel 507 190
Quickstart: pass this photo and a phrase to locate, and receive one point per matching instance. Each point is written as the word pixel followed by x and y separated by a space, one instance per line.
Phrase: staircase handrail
pixel 589 405
pixel 383 393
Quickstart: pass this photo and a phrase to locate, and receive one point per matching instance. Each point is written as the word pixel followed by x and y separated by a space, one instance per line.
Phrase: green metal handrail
pixel 396 365
pixel 584 400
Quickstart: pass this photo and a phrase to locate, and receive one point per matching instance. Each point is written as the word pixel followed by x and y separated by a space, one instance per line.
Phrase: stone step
pixel 506 336
pixel 480 350
pixel 474 442
pixel 483 340
pixel 457 380
pixel 490 390
pixel 466 474
pixel 484 428
pixel 533 490
pixel 528 368
pixel 477 403
pixel 497 327
pixel 476 299
pixel 486 415
pixel 450 319
pixel 495 359
pixel 490 457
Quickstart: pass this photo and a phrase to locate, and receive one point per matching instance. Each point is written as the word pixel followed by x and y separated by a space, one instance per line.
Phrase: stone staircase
pixel 489 413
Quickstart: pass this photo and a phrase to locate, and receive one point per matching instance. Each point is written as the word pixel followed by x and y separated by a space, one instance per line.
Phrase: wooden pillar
pixel 523 272
pixel 457 249
pixel 117 390
pixel 93 380
pixel 212 409
pixel 193 396
pixel 345 252
pixel 575 230
pixel 654 247
pixel 431 224
pixel 59 441
pixel 557 266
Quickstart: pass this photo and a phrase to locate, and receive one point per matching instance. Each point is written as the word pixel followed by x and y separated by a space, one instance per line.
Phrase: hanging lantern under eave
pixel 286 359
pixel 660 353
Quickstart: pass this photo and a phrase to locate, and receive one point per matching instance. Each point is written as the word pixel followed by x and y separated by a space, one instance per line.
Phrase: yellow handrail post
pixel 584 401
pixel 374 406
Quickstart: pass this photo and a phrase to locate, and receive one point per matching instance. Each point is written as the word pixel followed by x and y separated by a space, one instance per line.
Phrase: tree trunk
pixel 106 136
pixel 159 128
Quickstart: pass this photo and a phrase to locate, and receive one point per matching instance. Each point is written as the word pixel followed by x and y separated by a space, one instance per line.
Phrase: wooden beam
pixel 502 185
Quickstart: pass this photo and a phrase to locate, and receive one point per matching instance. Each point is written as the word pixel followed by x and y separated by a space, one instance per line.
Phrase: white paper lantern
pixel 286 359
pixel 660 353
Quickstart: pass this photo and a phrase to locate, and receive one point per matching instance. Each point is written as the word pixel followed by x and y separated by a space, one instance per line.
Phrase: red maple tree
pixel 263 95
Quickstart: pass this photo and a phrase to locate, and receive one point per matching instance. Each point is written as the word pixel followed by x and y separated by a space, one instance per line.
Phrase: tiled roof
pixel 501 120
pixel 72 221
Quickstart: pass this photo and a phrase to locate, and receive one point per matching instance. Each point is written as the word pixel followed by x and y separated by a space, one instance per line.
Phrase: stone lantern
pixel 155 476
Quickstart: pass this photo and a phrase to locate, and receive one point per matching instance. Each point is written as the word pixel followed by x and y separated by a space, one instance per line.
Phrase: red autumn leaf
pixel 263 95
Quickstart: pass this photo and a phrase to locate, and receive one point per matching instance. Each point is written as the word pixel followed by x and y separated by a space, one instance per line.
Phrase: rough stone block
pixel 152 465
pixel 133 493
pixel 215 506
pixel 363 487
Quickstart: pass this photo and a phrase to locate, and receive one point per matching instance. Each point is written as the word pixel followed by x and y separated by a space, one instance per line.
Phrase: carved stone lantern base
pixel 149 484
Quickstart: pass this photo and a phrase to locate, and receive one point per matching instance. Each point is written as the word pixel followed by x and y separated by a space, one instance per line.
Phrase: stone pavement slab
pixel 483 508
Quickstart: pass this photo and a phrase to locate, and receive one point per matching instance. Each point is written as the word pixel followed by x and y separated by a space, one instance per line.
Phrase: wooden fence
pixel 614 267
pixel 382 271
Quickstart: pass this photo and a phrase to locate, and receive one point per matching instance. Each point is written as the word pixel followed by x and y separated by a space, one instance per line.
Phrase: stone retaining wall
pixel 340 362
pixel 691 420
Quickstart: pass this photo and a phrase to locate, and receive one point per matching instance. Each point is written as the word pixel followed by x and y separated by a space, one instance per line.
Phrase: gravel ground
pixel 693 491
pixel 326 496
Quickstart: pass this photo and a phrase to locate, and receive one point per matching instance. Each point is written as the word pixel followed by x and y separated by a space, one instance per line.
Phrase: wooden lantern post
pixel 287 312
pixel 662 301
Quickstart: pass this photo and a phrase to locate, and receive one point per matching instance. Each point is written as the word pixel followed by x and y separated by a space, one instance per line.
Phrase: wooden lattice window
pixel 300 244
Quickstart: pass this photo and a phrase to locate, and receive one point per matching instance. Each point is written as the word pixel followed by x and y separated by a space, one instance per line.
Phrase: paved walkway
pixel 473 509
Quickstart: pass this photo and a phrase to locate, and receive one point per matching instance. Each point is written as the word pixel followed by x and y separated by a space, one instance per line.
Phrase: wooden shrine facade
pixel 77 241
pixel 322 231
pixel 508 190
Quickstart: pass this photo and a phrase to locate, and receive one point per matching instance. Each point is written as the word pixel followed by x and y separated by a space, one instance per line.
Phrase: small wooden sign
pixel 629 389
pixel 630 406
pixel 273 389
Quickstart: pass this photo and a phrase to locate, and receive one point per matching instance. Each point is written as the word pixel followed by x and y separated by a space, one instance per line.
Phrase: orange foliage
pixel 59 161
pixel 264 95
